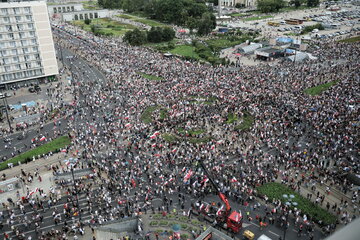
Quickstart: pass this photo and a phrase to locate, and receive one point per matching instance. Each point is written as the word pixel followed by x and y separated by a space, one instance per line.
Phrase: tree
pixel 206 24
pixel 133 5
pixel 168 34
pixel 154 35
pixel 296 3
pixel 191 23
pixel 313 3
pixel 267 6
pixel 87 21
pixel 135 37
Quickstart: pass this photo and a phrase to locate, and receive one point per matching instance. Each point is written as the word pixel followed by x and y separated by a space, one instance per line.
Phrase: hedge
pixel 277 190
pixel 53 146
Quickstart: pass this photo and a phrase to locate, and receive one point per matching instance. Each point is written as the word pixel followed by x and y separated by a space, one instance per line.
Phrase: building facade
pixel 75 11
pixel 26 45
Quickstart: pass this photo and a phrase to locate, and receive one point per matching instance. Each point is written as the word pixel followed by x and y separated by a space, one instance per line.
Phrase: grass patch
pixel 150 77
pixel 195 132
pixel 240 14
pixel 351 40
pixel 154 223
pixel 200 140
pixel 277 190
pixel 105 26
pixel 53 146
pixel 258 18
pixel 146 115
pixel 184 226
pixel 247 123
pixel 163 223
pixel 146 21
pixel 201 99
pixel 185 51
pixel 232 118
pixel 169 138
pixel 157 216
pixel 317 90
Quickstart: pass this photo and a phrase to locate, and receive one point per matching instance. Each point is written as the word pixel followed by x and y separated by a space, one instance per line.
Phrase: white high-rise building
pixel 26 45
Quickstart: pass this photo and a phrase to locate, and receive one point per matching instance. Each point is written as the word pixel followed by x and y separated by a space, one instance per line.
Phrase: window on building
pixel 7 68
pixel 30 25
pixel 4 11
pixel 35 49
pixel 32 34
pixel 18 18
pixel 28 17
pixel 24 43
pixel 16 10
pixel 11 36
pixel 20 27
pixel 18 67
pixel 6 19
pixel 27 9
pixel 16 59
pixel 1 36
pixel 22 35
pixel 25 50
pixel 27 57
pixel 33 41
pixel 14 52
pixel 8 28
pixel 12 44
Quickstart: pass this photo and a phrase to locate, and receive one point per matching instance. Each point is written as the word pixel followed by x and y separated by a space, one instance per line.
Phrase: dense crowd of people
pixel 148 134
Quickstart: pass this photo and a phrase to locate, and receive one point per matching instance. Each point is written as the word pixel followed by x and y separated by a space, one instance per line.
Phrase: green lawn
pixel 317 90
pixel 150 77
pixel 169 137
pixel 277 190
pixel 232 118
pixel 351 40
pixel 53 146
pixel 147 117
pixel 258 18
pixel 292 8
pixel 146 21
pixel 186 51
pixel 247 123
pixel 105 26
pixel 240 14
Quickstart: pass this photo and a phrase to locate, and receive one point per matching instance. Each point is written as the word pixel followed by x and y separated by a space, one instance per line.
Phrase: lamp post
pixel 289 201
pixel 72 163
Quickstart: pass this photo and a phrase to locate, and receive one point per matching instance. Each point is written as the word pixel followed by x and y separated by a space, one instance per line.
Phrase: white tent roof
pixel 249 48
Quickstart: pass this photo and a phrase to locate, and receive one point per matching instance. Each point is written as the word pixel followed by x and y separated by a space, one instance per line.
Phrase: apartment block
pixel 26 45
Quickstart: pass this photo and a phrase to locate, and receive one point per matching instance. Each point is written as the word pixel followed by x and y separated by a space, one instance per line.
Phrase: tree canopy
pixel 266 6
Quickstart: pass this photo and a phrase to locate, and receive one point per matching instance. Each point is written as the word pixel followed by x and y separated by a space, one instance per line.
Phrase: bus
pixel 274 24
pixel 293 21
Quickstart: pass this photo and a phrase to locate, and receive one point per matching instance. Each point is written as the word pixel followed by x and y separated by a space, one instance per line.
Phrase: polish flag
pixel 153 136
pixel 133 183
pixel 174 150
pixel 128 125
pixel 154 145
pixel 218 213
pixel 188 175
pixel 234 180
pixel 42 138
pixel 33 192
pixel 63 150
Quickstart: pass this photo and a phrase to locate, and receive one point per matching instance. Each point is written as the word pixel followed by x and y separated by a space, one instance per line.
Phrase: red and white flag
pixel 63 150
pixel 234 180
pixel 188 175
pixel 42 138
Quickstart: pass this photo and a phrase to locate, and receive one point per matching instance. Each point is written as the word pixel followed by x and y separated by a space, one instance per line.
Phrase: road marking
pixel 274 233
pixel 254 224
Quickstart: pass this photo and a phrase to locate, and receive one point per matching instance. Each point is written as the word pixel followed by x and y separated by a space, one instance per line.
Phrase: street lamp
pixel 72 162
pixel 6 110
pixel 289 201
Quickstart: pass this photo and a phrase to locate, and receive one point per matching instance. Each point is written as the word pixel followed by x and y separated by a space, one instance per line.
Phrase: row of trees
pixel 154 35
pixel 193 14
pixel 267 6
